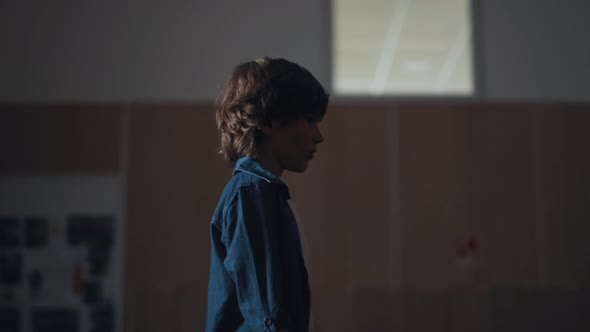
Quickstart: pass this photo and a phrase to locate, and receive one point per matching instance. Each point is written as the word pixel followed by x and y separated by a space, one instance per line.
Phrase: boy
pixel 267 115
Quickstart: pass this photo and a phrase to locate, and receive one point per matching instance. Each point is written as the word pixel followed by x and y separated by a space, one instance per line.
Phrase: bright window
pixel 402 47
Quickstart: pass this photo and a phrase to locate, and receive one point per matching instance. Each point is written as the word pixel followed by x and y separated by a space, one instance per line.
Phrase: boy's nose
pixel 317 137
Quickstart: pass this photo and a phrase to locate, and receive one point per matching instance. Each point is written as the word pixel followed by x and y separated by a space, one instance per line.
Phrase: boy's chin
pixel 300 168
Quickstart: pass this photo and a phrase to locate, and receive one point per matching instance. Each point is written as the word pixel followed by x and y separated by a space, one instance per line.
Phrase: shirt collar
pixel 251 166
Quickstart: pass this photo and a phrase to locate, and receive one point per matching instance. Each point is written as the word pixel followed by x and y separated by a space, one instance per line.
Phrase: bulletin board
pixel 61 242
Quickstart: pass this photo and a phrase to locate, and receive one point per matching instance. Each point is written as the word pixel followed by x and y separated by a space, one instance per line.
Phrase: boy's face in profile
pixel 293 145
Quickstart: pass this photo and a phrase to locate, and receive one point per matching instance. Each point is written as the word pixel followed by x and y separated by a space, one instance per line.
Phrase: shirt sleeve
pixel 252 259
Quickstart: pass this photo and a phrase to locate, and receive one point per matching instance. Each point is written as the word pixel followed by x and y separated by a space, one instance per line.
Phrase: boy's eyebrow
pixel 315 117
pixel 317 113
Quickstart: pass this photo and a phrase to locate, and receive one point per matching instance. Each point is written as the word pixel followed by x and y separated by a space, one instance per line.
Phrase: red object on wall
pixel 470 247
pixel 77 279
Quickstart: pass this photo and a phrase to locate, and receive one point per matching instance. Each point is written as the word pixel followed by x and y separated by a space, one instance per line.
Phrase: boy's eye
pixel 311 119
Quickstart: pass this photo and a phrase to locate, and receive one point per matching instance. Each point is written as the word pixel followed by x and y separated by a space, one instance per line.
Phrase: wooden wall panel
pixel 59 138
pixel 550 190
pixel 577 194
pixel 563 195
pixel 175 178
pixel 466 174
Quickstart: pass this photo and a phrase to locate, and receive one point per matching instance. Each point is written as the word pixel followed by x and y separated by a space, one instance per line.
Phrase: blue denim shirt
pixel 258 280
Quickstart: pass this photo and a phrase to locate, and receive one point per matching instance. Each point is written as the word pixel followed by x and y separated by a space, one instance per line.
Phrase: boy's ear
pixel 268 129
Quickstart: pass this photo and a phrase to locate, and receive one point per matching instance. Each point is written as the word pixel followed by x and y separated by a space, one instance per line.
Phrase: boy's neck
pixel 270 164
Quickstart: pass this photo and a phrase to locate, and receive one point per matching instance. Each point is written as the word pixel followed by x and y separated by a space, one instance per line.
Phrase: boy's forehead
pixel 314 115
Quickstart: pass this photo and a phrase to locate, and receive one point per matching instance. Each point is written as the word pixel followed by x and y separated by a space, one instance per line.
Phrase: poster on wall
pixel 60 253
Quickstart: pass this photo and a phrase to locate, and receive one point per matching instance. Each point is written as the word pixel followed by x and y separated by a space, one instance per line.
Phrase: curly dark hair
pixel 259 92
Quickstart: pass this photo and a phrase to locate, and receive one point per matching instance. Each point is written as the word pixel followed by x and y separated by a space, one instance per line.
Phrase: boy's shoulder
pixel 244 184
